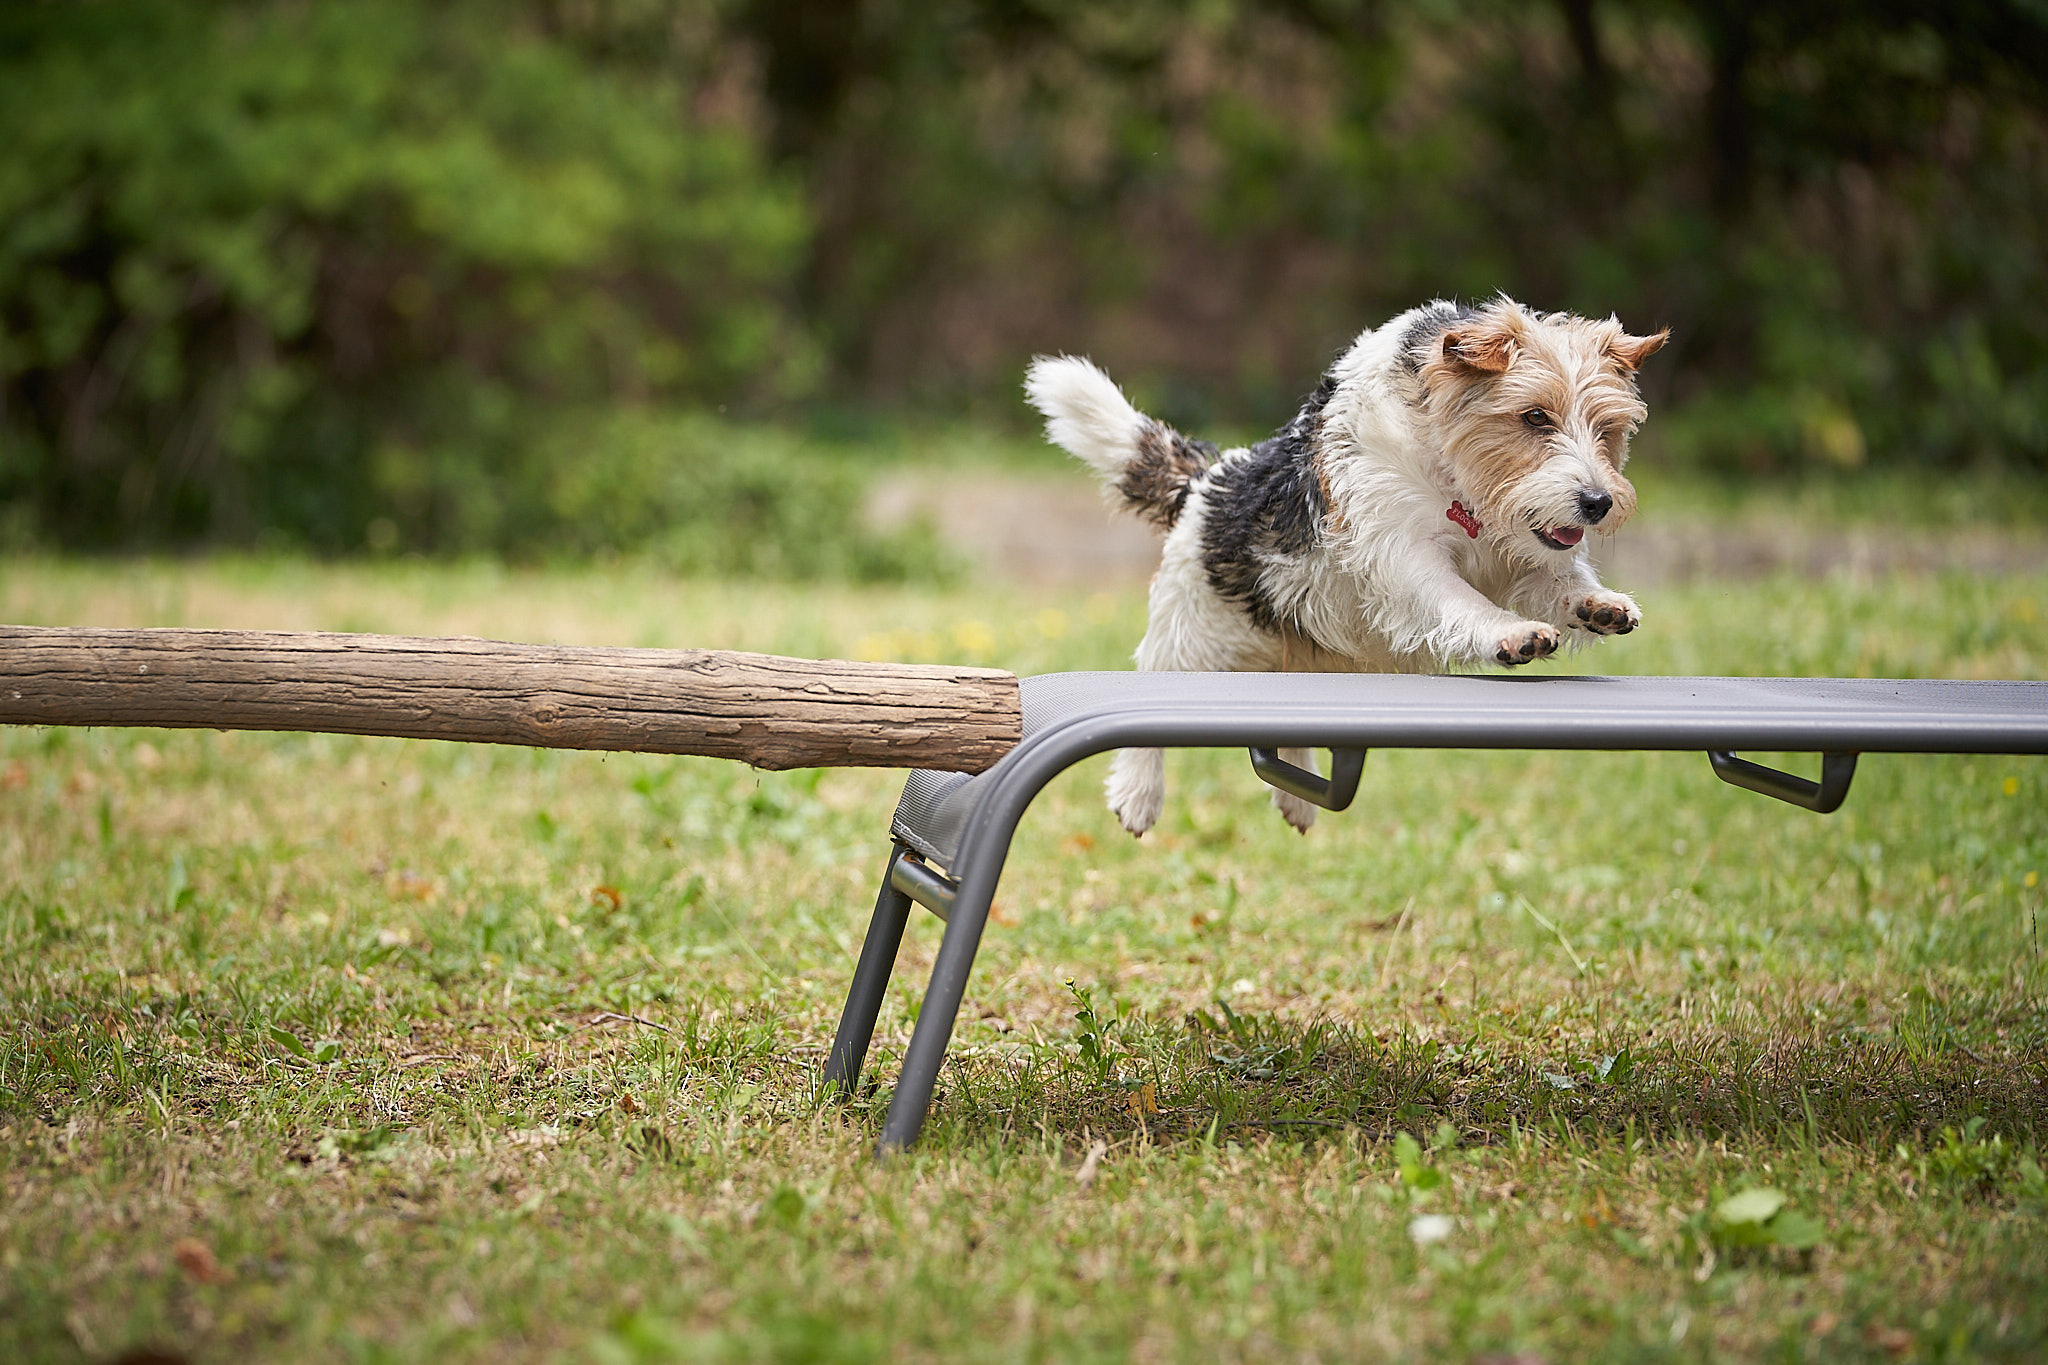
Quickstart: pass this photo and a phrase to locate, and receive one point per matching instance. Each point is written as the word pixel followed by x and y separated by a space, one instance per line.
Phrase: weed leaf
pixel 1754 1205
pixel 289 1041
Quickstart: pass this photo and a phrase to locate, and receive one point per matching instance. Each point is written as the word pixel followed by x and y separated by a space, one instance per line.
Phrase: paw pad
pixel 1539 643
pixel 1605 616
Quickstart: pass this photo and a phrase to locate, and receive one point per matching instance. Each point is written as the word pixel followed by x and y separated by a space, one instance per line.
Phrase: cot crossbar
pixel 964 825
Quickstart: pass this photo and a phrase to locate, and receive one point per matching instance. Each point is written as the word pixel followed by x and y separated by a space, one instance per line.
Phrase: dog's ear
pixel 1630 352
pixel 1486 345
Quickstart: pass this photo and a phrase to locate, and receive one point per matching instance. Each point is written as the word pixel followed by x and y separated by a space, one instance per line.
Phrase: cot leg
pixel 935 1018
pixel 870 983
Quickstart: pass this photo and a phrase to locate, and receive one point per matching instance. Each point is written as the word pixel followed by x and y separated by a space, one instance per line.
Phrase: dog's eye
pixel 1538 419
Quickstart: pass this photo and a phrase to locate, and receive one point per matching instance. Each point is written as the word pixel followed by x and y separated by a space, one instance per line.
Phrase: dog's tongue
pixel 1567 535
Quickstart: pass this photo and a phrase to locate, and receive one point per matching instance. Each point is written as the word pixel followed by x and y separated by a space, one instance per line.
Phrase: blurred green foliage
pixel 306 269
pixel 1837 207
pixel 697 495
pixel 479 276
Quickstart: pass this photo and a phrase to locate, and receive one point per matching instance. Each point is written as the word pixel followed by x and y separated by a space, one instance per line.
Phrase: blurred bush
pixel 285 270
pixel 339 274
pixel 698 495
pixel 1839 208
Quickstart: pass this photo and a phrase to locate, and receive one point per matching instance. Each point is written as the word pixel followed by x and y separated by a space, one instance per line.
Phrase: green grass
pixel 321 1048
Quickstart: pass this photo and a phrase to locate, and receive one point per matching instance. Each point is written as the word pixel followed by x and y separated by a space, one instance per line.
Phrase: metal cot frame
pixel 951 833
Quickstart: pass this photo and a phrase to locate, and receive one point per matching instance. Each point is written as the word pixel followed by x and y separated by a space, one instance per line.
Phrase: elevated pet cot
pixel 951 833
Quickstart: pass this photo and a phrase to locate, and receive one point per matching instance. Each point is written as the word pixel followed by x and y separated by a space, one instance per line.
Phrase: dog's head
pixel 1535 412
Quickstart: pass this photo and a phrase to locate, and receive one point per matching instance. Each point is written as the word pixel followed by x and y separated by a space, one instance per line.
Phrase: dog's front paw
pixel 1526 643
pixel 1606 613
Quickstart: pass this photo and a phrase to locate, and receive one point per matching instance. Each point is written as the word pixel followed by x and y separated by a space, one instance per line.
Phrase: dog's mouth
pixel 1562 537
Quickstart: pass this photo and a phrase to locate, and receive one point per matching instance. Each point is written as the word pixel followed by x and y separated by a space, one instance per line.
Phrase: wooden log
pixel 758 708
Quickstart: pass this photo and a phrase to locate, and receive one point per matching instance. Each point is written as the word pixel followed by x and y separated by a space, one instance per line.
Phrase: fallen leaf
pixel 1144 1100
pixel 1600 1215
pixel 196 1259
pixel 1085 1177
pixel 607 894
pixel 412 886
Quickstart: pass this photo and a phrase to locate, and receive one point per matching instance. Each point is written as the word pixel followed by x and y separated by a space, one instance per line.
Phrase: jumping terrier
pixel 1426 509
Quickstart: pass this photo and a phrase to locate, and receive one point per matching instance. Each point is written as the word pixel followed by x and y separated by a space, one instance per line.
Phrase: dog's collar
pixel 1457 512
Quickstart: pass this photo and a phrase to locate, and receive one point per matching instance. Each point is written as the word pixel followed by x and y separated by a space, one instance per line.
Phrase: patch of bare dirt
pixel 1054 530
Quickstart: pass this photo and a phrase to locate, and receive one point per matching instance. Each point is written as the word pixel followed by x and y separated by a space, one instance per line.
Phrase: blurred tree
pixel 315 268
pixel 301 267
pixel 1838 205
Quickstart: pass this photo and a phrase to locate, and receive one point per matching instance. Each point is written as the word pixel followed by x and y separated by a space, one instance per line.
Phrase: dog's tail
pixel 1145 464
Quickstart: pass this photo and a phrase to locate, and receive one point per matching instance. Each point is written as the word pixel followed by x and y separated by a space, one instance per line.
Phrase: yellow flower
pixel 974 637
pixel 2012 786
pixel 2031 880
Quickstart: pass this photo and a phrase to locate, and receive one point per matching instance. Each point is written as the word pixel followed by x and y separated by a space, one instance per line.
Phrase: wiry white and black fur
pixel 1345 542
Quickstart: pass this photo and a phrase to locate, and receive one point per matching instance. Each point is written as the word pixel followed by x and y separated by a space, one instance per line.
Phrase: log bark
pixel 761 709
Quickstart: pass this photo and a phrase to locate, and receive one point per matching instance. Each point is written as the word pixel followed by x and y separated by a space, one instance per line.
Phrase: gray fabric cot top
pixel 1068 716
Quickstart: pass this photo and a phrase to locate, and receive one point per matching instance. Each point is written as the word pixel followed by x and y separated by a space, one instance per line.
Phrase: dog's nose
pixel 1594 506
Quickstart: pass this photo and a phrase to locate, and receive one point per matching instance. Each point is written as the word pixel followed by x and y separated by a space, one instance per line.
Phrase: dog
pixel 1426 509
